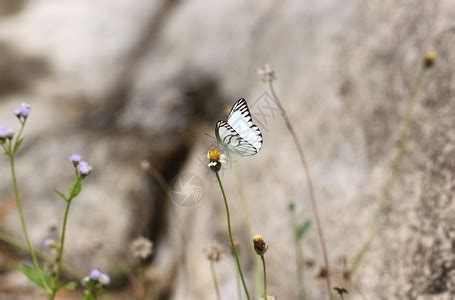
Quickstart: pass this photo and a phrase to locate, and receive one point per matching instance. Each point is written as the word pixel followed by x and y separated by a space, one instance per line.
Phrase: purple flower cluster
pixel 5 133
pixel 50 243
pixel 96 276
pixel 82 167
pixel 22 112
pixel 75 158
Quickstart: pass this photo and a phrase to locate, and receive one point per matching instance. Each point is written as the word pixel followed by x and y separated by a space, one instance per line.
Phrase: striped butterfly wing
pixel 239 134
pixel 230 139
pixel 241 121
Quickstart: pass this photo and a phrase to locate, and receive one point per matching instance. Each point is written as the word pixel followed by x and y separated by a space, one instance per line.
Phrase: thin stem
pixel 298 257
pixel 61 249
pixel 237 284
pixel 13 242
pixel 19 135
pixel 231 239
pixel 309 182
pixel 73 194
pixel 265 276
pixel 142 283
pixel 215 280
pixel 23 224
pixel 247 215
pixel 20 246
pixel 385 197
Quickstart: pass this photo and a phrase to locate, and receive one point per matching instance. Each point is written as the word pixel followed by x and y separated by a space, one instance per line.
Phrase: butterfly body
pixel 238 134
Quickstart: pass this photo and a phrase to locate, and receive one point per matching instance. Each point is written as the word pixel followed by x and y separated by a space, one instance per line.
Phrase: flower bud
pixel 430 58
pixel 22 112
pixel 260 246
pixel 5 134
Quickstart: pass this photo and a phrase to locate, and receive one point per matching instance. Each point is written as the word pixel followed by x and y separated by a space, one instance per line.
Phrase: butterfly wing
pixel 241 121
pixel 229 138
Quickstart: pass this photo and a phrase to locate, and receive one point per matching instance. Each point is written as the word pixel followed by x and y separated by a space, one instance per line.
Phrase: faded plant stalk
pixel 268 75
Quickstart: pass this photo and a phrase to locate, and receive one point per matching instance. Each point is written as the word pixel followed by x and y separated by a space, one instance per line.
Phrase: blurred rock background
pixel 127 81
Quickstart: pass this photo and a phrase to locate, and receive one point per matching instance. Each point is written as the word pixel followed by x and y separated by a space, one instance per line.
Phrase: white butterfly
pixel 239 134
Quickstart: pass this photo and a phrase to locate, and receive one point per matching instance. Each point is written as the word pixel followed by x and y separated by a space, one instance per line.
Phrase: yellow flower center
pixel 214 154
pixel 258 238
pixel 430 58
pixel 431 55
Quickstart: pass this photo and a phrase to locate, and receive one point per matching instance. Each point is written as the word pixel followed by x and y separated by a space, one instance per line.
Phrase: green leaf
pixel 302 229
pixel 34 275
pixel 76 188
pixel 61 194
pixel 68 286
pixel 17 145
pixel 89 295
pixel 5 148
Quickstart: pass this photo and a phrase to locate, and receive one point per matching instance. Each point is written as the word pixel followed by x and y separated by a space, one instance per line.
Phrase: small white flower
pixel 223 158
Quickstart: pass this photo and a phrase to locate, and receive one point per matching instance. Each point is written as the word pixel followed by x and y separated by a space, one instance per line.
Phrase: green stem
pixel 265 276
pixel 309 183
pixel 215 280
pixel 13 242
pixel 61 250
pixel 73 194
pixel 231 239
pixel 19 135
pixel 385 197
pixel 237 284
pixel 17 244
pixel 22 220
pixel 247 215
pixel 298 257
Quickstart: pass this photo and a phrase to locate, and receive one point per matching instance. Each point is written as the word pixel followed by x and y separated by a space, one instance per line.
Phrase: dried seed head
pixel 260 246
pixel 141 248
pixel 214 252
pixel 266 73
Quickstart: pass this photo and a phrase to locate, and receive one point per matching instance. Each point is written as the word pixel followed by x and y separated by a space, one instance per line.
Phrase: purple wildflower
pixel 95 274
pixel 48 243
pixel 22 112
pixel 104 279
pixel 6 133
pixel 84 168
pixel 75 158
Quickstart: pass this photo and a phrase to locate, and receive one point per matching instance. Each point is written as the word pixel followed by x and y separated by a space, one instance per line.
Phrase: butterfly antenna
pixel 210 136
